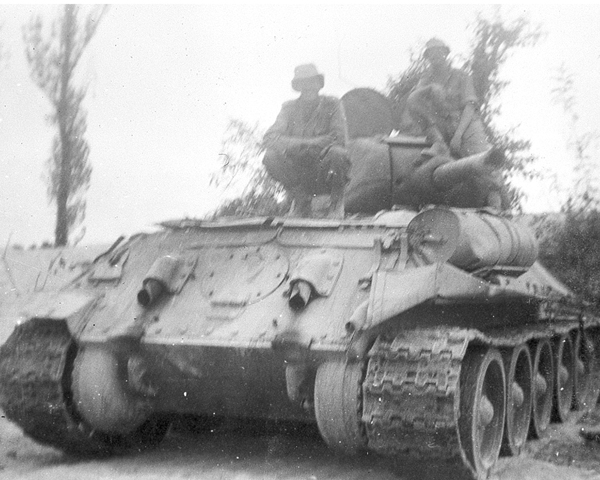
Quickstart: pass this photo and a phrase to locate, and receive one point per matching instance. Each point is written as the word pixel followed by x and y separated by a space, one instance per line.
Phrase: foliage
pixel 53 57
pixel 243 171
pixel 571 248
pixel 585 192
pixel 399 89
pixel 493 42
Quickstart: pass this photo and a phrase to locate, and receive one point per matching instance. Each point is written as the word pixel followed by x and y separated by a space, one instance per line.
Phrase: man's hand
pixel 309 147
pixel 435 92
pixel 316 145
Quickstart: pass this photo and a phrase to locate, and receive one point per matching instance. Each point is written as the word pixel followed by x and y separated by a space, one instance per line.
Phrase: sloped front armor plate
pixel 321 270
pixel 242 276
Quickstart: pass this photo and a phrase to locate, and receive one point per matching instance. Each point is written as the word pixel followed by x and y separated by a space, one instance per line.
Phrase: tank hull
pixel 203 319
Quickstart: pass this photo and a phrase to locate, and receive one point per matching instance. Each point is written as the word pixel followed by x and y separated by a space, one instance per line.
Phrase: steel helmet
pixel 436 43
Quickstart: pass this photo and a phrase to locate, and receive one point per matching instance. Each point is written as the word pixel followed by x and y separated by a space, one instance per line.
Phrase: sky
pixel 164 80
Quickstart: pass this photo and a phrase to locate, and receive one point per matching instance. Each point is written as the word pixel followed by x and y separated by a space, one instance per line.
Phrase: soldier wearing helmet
pixel 305 147
pixel 444 105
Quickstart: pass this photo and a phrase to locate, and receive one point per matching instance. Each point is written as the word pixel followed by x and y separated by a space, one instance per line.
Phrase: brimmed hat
pixel 436 43
pixel 306 72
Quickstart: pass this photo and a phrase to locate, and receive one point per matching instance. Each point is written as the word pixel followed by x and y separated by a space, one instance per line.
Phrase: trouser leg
pixel 297 179
pixel 335 168
pixel 422 107
pixel 491 182
pixel 474 139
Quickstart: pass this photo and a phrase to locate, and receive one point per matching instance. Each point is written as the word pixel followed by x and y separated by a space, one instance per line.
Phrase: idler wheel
pixel 100 394
pixel 338 405
pixel 482 408
pixel 564 377
pixel 585 360
pixel 518 367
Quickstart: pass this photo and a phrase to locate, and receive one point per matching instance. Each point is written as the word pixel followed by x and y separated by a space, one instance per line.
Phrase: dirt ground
pixel 234 452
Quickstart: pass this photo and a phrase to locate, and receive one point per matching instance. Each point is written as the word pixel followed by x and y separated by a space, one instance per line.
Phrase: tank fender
pixel 394 292
pixel 64 306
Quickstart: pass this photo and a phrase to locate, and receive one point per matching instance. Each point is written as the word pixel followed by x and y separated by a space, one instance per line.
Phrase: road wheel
pixel 338 405
pixel 482 408
pixel 564 377
pixel 585 363
pixel 542 387
pixel 517 364
pixel 120 417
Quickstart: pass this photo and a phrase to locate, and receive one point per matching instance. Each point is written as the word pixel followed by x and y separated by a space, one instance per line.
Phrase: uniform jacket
pixel 295 121
pixel 458 88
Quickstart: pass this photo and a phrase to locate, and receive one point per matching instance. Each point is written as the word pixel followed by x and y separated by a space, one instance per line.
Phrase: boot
pixel 301 205
pixel 438 147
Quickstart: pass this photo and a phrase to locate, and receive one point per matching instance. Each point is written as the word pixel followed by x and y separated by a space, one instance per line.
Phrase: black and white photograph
pixel 316 241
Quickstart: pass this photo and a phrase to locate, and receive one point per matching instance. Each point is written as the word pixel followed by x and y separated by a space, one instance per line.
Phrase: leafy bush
pixel 571 250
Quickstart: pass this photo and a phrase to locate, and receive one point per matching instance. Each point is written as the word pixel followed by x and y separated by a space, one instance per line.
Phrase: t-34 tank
pixel 433 333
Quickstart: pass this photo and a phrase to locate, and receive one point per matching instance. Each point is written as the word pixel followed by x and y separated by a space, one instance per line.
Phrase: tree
pixel 493 42
pixel 243 171
pixel 571 247
pixel 53 58
pixel 585 192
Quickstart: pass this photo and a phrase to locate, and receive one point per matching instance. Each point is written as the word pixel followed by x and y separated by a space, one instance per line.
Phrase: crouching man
pixel 305 147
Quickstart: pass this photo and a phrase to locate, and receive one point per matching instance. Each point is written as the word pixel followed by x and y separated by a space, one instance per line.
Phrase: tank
pixel 427 332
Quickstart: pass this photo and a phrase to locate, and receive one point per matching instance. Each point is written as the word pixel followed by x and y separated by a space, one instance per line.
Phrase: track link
pixel 410 396
pixel 34 376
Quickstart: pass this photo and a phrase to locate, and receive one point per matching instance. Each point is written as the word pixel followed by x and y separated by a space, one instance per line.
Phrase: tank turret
pixel 390 170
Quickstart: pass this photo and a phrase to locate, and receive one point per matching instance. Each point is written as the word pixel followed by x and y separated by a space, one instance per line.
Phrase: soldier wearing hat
pixel 305 147
pixel 444 105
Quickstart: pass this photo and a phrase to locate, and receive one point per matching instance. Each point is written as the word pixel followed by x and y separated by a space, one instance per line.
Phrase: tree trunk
pixel 61 233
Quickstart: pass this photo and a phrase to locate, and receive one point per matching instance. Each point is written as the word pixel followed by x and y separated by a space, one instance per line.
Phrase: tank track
pixel 411 393
pixel 410 396
pixel 34 374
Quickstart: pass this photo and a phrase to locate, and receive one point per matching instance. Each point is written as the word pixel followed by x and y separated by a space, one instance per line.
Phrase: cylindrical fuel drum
pixel 471 239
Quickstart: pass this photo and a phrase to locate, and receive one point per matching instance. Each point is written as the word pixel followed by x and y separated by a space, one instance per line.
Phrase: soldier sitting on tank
pixel 443 104
pixel 305 147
